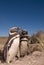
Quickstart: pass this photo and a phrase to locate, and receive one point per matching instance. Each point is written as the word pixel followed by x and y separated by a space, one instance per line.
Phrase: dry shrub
pixel 36 42
pixel 40 35
pixel 34 47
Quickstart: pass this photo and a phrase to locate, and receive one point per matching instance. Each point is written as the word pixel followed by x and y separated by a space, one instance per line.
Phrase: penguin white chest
pixel 13 50
pixel 23 48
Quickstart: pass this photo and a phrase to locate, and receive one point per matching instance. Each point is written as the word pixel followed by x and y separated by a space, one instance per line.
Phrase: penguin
pixel 23 43
pixel 12 45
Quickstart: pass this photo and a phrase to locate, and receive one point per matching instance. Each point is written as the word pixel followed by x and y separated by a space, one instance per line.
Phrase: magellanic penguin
pixel 12 45
pixel 23 43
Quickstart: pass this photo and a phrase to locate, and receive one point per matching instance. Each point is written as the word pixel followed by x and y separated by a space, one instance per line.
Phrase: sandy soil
pixel 36 58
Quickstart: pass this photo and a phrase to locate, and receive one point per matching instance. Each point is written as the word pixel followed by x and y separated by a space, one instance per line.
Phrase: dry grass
pixel 2 42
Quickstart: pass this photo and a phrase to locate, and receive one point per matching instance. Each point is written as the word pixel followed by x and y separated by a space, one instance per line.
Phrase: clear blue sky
pixel 28 14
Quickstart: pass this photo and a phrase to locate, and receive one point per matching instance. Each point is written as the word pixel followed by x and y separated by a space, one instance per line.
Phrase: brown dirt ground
pixel 36 58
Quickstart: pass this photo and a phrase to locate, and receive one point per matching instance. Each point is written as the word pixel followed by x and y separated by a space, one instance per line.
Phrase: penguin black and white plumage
pixel 23 43
pixel 12 45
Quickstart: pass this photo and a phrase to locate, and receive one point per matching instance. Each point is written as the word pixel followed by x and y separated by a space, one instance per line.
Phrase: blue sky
pixel 28 14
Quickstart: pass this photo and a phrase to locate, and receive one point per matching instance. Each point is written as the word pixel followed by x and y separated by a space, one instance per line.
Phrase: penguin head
pixel 13 30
